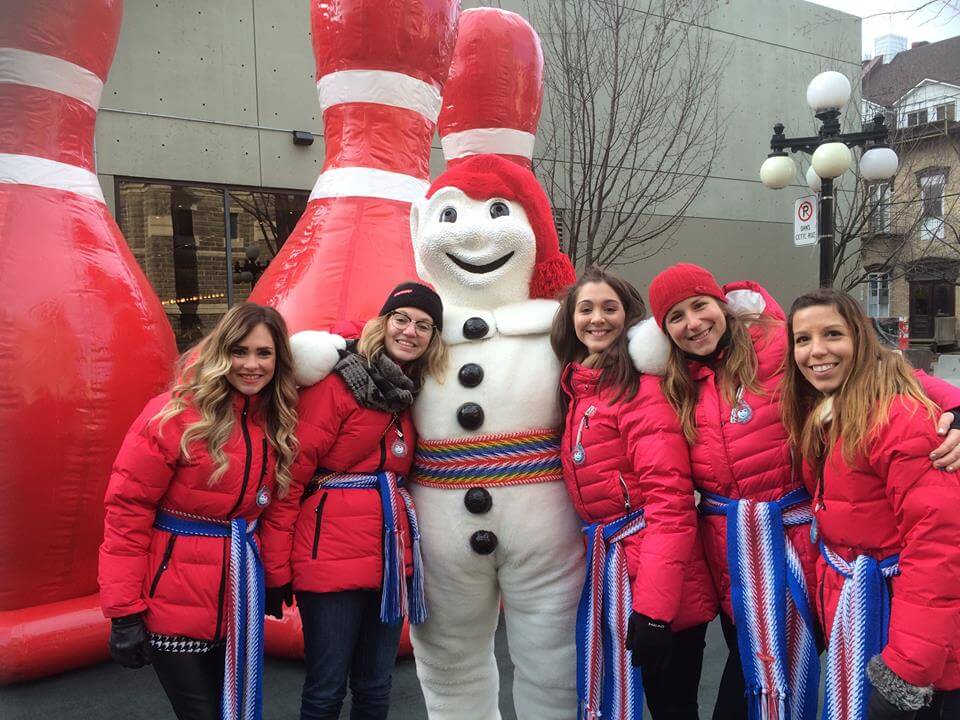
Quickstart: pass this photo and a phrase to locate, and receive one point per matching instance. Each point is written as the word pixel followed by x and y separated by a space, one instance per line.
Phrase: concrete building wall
pixel 212 93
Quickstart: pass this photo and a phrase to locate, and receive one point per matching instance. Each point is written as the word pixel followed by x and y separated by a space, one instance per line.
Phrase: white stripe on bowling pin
pixel 502 141
pixel 368 182
pixel 30 170
pixel 381 87
pixel 23 67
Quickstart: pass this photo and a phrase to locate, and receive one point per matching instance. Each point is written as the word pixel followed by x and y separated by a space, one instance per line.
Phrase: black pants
pixel 945 706
pixel 671 689
pixel 193 682
pixel 731 697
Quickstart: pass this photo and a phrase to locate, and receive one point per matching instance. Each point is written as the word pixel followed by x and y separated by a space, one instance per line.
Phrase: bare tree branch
pixel 631 128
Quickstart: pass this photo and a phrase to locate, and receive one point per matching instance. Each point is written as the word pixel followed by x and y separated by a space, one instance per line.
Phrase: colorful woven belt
pixel 489 460
pixel 776 630
pixel 242 697
pixel 860 626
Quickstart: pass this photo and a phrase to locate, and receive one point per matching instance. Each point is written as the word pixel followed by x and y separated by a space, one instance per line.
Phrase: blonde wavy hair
pixel 433 362
pixel 862 402
pixel 738 369
pixel 201 383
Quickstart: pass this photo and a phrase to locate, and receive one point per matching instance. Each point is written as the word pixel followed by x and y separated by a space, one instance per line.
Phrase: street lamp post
pixel 830 156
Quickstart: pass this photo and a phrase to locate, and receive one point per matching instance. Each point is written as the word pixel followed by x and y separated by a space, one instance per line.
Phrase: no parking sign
pixel 805 221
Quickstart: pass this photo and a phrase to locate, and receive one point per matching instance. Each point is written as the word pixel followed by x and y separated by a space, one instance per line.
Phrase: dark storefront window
pixel 177 231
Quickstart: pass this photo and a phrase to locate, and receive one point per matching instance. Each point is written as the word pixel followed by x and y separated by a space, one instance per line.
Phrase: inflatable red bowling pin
pixel 83 339
pixel 380 71
pixel 494 94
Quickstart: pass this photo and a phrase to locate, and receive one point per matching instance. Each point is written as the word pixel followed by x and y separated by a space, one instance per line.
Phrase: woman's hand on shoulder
pixel 947 455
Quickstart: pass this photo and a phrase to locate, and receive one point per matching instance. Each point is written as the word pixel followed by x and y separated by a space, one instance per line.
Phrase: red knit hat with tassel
pixel 485 176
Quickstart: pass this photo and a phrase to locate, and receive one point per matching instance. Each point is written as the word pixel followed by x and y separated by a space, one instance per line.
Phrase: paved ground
pixel 113 693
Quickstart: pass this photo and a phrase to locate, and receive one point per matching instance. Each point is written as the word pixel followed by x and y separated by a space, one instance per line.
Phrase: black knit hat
pixel 416 295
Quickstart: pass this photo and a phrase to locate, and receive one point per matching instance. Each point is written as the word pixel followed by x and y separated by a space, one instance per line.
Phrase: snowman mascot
pixel 496 523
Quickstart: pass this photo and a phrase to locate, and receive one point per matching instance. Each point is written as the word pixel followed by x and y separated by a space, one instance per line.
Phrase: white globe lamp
pixel 813 180
pixel 831 160
pixel 879 163
pixel 777 172
pixel 828 91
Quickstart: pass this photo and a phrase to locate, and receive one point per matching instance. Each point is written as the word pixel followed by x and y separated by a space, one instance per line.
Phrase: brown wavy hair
pixel 433 362
pixel 202 384
pixel 862 402
pixel 618 372
pixel 738 368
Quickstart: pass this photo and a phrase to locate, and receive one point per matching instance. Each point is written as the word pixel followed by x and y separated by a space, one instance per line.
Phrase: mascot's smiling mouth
pixel 480 269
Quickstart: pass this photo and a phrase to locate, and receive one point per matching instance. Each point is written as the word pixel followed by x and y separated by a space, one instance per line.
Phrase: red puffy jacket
pixel 753 460
pixel 635 456
pixel 179 582
pixel 333 540
pixel 893 501
pixel 746 460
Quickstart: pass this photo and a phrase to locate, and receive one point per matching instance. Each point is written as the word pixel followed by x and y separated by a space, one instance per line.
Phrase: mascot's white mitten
pixel 315 352
pixel 495 519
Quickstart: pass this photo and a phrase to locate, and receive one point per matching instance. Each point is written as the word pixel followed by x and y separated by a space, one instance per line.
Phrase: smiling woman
pixel 888 528
pixel 326 540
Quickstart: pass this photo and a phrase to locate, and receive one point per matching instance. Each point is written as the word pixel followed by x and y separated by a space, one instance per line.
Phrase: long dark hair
pixel 619 374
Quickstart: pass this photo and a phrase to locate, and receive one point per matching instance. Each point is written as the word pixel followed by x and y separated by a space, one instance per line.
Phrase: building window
pixel 917 117
pixel 177 234
pixel 931 206
pixel 879 199
pixel 947 111
pixel 878 294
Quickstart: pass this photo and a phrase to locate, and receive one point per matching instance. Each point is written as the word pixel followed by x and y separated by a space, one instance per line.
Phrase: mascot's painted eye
pixel 499 209
pixel 448 214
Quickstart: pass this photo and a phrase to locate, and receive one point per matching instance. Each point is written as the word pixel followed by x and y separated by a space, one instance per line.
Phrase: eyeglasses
pixel 401 320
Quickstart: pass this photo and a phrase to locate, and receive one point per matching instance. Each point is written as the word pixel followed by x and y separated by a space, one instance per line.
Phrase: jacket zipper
pixel 167 552
pixel 263 465
pixel 626 492
pixel 221 595
pixel 316 527
pixel 248 460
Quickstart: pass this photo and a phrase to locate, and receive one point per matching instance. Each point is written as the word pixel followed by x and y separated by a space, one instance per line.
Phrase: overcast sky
pixel 938 21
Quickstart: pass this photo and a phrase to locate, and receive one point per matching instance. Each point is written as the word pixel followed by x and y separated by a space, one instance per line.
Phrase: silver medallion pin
pixel 741 412
pixel 263 497
pixel 578 454
pixel 399 448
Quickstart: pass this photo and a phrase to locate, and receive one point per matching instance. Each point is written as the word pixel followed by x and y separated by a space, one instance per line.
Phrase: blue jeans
pixel 343 636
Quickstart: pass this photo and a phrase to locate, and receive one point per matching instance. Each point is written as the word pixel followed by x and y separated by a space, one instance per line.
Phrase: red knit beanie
pixel 679 282
pixel 485 176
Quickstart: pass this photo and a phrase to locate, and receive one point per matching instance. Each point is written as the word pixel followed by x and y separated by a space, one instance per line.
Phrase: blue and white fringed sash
pixel 397 600
pixel 243 670
pixel 776 630
pixel 608 685
pixel 859 631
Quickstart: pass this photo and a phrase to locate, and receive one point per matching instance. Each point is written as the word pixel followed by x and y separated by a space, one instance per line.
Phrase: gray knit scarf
pixel 378 385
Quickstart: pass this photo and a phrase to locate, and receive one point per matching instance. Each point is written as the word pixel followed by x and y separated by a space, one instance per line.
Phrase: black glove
pixel 129 644
pixel 887 686
pixel 277 597
pixel 650 641
pixel 879 708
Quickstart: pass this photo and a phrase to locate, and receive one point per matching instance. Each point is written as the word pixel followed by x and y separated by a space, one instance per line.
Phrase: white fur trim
pixel 746 302
pixel 531 317
pixel 649 348
pixel 315 352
